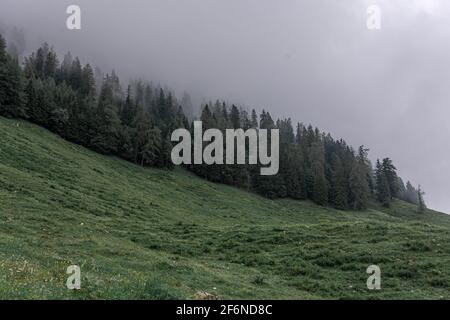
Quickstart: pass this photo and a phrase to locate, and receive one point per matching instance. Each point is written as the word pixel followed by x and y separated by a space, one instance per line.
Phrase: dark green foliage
pixel 137 126
pixel 235 118
pixel 63 98
pixel 254 120
pixel 319 181
pixel 107 121
pixel 360 181
pixel 12 97
pixel 359 188
pixel 338 190
pixel 312 164
pixel 383 192
pixel 390 171
pixel 421 203
pixel 145 233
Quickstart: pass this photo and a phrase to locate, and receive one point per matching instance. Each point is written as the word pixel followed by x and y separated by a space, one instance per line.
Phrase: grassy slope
pixel 146 233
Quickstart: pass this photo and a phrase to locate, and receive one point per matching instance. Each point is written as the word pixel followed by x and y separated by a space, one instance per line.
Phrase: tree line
pixel 136 125
pixel 313 165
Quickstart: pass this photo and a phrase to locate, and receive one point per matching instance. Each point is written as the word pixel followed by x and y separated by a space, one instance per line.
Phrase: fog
pixel 312 60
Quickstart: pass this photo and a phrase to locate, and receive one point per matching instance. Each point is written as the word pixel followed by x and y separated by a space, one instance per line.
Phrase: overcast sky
pixel 312 60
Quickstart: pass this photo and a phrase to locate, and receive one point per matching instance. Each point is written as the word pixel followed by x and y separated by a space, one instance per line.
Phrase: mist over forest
pixel 312 61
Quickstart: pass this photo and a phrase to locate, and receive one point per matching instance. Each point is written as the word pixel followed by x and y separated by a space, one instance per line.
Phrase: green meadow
pixel 140 233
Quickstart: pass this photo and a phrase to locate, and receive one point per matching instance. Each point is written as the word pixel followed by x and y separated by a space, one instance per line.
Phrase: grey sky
pixel 312 60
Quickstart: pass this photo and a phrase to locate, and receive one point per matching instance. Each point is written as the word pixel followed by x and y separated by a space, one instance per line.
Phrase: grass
pixel 140 233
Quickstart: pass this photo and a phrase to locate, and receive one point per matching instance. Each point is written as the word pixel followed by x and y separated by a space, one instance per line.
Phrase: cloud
pixel 312 60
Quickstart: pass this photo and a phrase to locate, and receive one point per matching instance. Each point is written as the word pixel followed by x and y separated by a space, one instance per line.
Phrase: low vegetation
pixel 145 233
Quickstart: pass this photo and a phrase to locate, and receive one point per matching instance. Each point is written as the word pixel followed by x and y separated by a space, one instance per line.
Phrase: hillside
pixel 152 234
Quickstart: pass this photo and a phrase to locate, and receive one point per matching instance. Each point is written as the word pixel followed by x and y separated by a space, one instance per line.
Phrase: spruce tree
pixel 319 181
pixel 12 96
pixel 421 205
pixel 75 76
pixel 390 172
pixel 254 120
pixel 383 193
pixel 338 184
pixel 51 65
pixel 359 188
pixel 87 85
pixel 235 117
pixel 107 121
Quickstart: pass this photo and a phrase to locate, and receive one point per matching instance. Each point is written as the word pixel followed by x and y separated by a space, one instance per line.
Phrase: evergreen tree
pixel 66 68
pixel 319 181
pixel 235 117
pixel 338 187
pixel 359 188
pixel 186 104
pixel 363 159
pixel 51 64
pixel 137 127
pixel 75 76
pixel 382 186
pixel 150 147
pixel 12 96
pixel 421 205
pixel 359 181
pixel 107 121
pixel 254 120
pixel 39 63
pixel 87 83
pixel 411 194
pixel 128 111
pixel 226 116
pixel 390 172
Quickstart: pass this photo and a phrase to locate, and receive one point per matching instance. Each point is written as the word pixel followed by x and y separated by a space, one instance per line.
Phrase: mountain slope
pixel 151 234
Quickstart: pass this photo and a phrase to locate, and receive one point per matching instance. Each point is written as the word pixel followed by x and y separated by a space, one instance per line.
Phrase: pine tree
pixel 226 116
pixel 421 205
pixel 359 180
pixel 245 121
pixel 51 65
pixel 390 172
pixel 107 121
pixel 338 184
pixel 125 144
pixel 207 118
pixel 363 159
pixel 12 96
pixel 359 188
pixel 254 120
pixel 235 117
pixel 411 194
pixel 128 111
pixel 137 127
pixel 186 104
pixel 319 181
pixel 75 76
pixel 65 100
pixel 39 63
pixel 66 68
pixel 150 147
pixel 382 186
pixel 87 83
